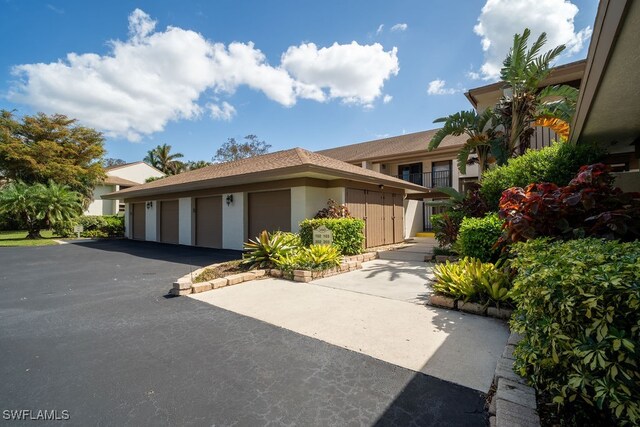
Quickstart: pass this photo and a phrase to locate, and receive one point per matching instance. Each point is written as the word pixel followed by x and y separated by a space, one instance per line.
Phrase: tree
pixel 481 136
pixel 39 206
pixel 162 159
pixel 40 148
pixel 110 161
pixel 524 70
pixel 196 164
pixel 233 150
pixel 505 131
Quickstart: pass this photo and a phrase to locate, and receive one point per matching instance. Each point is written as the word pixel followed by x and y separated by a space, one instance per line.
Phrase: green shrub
pixel 348 233
pixel 93 226
pixel 578 307
pixel 267 248
pixel 477 237
pixel 314 257
pixel 471 279
pixel 557 164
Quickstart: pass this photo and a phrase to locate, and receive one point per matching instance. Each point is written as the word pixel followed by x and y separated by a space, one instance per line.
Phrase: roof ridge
pixel 303 155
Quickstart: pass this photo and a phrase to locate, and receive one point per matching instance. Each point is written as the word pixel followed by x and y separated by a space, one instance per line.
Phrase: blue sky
pixel 295 73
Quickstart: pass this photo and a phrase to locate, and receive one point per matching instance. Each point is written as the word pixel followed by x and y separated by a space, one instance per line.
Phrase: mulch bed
pixel 220 270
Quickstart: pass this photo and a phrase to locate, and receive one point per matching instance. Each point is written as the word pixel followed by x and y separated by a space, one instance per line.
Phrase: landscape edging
pixel 185 286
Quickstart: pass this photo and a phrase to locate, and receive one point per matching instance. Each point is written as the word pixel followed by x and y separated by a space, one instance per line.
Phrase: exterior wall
pixel 151 223
pixel 234 221
pixel 137 172
pixel 306 202
pixel 99 206
pixel 127 223
pixel 413 221
pixel 337 194
pixel 185 221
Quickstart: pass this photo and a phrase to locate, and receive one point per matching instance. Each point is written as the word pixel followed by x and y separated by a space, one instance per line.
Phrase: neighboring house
pixel 223 205
pixel 119 178
pixel 608 109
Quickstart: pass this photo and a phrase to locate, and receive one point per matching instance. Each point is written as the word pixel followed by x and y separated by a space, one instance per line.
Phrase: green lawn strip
pixel 18 238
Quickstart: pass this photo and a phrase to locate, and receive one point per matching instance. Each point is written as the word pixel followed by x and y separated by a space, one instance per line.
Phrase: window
pixel 411 173
pixel 441 174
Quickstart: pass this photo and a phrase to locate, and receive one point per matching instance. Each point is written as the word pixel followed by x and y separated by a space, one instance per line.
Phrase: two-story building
pixel 406 156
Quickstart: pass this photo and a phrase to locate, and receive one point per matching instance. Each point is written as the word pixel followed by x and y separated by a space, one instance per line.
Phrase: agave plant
pixel 265 249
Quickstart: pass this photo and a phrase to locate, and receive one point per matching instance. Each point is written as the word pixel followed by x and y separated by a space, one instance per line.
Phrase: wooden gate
pixel 383 214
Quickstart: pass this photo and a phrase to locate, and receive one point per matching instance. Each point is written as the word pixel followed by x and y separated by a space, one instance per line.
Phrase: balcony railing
pixel 428 179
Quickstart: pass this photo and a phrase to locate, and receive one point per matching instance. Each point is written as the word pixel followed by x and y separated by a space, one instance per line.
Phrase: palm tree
pixel 481 136
pixel 196 164
pixel 162 159
pixel 40 206
pixel 523 71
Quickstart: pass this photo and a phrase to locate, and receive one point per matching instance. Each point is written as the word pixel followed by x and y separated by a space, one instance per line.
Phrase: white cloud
pixel 159 76
pixel 387 99
pixel 437 87
pixel 400 27
pixel 224 111
pixel 473 75
pixel 380 28
pixel 353 73
pixel 501 19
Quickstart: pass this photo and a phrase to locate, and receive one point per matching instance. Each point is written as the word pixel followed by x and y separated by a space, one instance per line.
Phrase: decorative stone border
pixel 514 402
pixel 185 285
pixel 443 301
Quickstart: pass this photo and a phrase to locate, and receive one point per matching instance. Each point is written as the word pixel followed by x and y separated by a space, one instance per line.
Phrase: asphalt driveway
pixel 87 328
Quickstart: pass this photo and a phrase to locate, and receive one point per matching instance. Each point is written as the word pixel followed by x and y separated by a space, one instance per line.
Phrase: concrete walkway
pixel 356 311
pixel 398 280
pixel 415 249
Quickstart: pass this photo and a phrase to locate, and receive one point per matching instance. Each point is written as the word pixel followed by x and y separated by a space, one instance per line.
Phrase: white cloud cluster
pixel 400 27
pixel 438 87
pixel 501 19
pixel 158 76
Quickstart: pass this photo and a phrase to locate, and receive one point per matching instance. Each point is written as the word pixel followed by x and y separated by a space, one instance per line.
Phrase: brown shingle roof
pixel 291 161
pixel 409 144
pixel 116 180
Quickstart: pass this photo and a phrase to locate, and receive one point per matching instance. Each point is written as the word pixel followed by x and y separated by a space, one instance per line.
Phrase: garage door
pixel 169 221
pixel 269 210
pixel 209 222
pixel 383 214
pixel 138 220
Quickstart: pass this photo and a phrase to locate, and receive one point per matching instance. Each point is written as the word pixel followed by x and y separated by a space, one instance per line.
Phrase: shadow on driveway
pixel 162 251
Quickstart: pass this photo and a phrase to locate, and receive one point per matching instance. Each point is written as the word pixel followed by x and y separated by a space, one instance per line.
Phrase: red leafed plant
pixel 587 206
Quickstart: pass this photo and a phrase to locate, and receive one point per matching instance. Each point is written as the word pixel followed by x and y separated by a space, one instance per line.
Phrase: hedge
pixel 557 164
pixel 348 233
pixel 578 308
pixel 94 226
pixel 478 235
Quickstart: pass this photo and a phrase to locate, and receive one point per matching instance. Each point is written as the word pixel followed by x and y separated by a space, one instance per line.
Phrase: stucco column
pixel 151 221
pixel 234 221
pixel 185 221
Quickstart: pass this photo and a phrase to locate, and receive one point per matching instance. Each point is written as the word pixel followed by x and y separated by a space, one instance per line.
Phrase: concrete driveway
pixel 87 328
pixel 378 311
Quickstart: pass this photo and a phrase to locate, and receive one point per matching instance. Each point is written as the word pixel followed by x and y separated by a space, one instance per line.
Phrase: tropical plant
pixel 558 164
pixel 265 249
pixel 196 164
pixel 314 257
pixel 333 210
pixel 578 309
pixel 446 226
pixel 524 70
pixel 588 206
pixel 471 279
pixel 39 206
pixel 162 159
pixel 480 131
pixel 478 236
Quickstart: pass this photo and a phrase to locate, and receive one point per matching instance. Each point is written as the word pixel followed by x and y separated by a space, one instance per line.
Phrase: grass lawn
pixel 18 238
